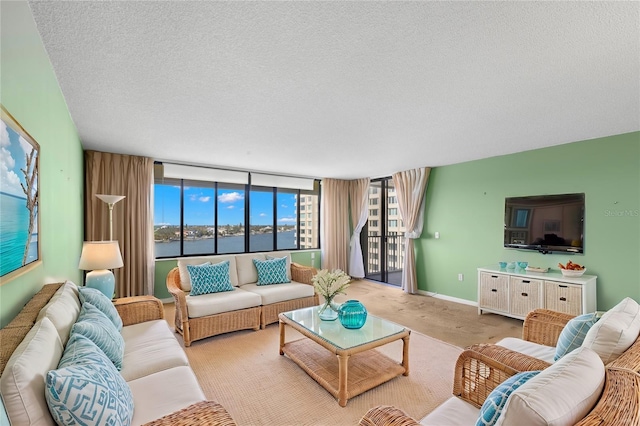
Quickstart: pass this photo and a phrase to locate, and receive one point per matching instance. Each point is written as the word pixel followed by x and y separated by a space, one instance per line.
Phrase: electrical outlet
pixel 460 277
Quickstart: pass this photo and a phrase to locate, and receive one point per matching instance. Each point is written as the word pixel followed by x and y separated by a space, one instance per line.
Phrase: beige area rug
pixel 245 373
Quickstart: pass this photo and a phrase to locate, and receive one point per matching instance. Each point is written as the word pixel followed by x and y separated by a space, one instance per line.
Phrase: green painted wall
pixel 164 266
pixel 30 92
pixel 465 203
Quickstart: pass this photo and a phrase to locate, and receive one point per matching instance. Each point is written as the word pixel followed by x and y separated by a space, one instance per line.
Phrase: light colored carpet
pixel 245 373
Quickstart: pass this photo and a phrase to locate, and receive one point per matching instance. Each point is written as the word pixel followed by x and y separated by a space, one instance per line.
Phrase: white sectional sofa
pixel 247 306
pixel 154 365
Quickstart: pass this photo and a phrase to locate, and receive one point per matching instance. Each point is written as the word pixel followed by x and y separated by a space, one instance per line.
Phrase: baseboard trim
pixel 422 292
pixel 448 298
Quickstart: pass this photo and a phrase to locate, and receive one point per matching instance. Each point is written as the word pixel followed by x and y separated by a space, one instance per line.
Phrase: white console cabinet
pixel 515 293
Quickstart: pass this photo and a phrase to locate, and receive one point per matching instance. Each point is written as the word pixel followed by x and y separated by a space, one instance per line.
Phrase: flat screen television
pixel 546 223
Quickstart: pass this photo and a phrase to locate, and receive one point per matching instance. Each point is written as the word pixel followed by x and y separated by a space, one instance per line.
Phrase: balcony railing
pixel 394 257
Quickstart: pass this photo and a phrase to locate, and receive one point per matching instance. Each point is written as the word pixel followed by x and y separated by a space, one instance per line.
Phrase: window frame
pixel 248 188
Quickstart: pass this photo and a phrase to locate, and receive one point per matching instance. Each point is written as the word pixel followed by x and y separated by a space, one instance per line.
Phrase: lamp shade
pixel 100 255
pixel 110 199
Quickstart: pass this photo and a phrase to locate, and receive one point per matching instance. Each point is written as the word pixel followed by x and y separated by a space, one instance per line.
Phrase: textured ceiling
pixel 342 89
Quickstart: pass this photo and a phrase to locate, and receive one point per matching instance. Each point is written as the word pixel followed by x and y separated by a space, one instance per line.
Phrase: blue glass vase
pixel 328 310
pixel 352 314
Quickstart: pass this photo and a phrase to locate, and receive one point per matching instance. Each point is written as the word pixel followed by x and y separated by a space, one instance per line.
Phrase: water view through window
pixel 201 203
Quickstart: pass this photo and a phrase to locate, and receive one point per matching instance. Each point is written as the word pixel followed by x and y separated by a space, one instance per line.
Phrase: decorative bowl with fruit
pixel 572 269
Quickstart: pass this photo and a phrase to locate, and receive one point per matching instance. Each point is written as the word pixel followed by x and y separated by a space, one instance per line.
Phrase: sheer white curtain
pixel 334 222
pixel 411 188
pixel 359 197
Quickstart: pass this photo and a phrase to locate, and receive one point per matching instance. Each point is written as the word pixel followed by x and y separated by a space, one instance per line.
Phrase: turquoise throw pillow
pixel 495 402
pixel 272 271
pixel 79 350
pixel 207 278
pixel 102 302
pixel 95 325
pixel 573 334
pixel 91 392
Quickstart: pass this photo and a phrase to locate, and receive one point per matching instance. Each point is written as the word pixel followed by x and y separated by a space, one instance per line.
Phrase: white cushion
pixel 215 303
pixel 562 394
pixel 247 272
pixel 616 331
pixel 63 310
pixel 545 353
pixel 274 293
pixel 185 280
pixel 150 347
pixel 162 393
pixel 23 381
pixel 452 412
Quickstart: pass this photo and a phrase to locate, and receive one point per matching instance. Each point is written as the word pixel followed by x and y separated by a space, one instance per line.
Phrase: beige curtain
pixel 358 200
pixel 334 222
pixel 411 188
pixel 131 176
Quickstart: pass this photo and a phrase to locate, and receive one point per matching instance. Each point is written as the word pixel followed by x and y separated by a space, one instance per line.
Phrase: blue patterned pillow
pixel 78 351
pixel 207 278
pixel 272 271
pixel 573 334
pixel 495 402
pixel 95 325
pixel 102 302
pixel 92 392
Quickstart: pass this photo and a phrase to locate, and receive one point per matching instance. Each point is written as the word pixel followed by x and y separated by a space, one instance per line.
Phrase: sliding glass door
pixel 383 235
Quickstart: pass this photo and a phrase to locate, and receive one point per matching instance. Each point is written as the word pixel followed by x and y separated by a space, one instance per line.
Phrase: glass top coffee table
pixel 358 367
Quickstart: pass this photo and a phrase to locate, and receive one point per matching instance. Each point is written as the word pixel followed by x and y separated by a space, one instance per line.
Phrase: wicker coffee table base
pixel 345 373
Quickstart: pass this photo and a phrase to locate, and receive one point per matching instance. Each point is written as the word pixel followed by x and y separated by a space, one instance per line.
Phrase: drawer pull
pixel 562 286
pixel 525 294
pixel 564 299
pixel 494 276
pixel 526 281
pixel 494 290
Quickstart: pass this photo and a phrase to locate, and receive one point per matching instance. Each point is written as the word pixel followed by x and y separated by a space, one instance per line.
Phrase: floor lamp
pixel 111 200
pixel 99 257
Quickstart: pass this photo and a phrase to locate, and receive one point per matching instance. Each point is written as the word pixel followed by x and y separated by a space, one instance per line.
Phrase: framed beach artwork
pixel 19 207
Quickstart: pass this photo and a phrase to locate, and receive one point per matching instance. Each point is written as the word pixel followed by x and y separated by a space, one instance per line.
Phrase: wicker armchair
pixel 618 405
pixel 543 326
pixel 475 376
pixel 481 367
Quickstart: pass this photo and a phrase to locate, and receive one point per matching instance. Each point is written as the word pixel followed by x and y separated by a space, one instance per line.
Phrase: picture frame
pixel 19 199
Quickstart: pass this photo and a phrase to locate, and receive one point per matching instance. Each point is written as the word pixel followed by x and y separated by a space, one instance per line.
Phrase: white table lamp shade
pixel 98 257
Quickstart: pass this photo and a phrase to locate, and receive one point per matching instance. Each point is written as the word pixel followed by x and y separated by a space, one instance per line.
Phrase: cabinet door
pixel 562 297
pixel 526 295
pixel 494 291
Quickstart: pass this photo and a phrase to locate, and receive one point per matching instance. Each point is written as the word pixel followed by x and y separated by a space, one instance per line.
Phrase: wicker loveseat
pixel 248 306
pixel 164 389
pixel 482 367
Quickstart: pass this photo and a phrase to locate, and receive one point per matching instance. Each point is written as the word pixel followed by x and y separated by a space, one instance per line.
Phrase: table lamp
pixel 98 257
